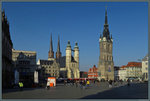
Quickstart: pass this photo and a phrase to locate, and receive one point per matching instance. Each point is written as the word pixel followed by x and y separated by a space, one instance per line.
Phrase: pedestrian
pixel 80 84
pixel 72 82
pixel 65 82
pixel 76 82
pixel 121 81
pixel 48 85
pixel 128 82
pixel 84 84
pixel 115 83
pixel 94 81
pixel 88 83
pixel 21 86
pixel 110 83
pixel 97 83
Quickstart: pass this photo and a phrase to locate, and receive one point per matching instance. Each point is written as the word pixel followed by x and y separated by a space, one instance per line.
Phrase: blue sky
pixel 31 24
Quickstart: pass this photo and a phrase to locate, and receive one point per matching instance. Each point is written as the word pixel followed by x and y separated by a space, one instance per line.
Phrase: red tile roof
pixel 132 64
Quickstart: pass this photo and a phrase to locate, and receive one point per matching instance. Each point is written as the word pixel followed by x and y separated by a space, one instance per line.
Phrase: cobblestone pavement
pixel 101 91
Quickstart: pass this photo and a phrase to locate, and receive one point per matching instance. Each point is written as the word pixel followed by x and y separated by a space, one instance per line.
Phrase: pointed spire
pixel 106 29
pixel 51 44
pixel 58 53
pixel 3 15
pixel 51 52
pixel 58 46
pixel 106 21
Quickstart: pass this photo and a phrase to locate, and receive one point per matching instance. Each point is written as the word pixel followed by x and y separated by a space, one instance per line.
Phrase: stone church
pixel 50 67
pixel 72 63
pixel 106 64
pixel 61 66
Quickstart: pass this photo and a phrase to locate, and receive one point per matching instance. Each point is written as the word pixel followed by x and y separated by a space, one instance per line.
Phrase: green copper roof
pixel 76 45
pixel 68 45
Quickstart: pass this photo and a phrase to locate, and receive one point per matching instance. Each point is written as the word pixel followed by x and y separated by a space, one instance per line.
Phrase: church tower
pixel 106 64
pixel 76 58
pixel 58 53
pixel 51 52
pixel 76 52
pixel 68 60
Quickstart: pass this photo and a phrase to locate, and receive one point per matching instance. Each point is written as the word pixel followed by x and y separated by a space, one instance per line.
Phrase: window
pixel 146 75
pixel 146 63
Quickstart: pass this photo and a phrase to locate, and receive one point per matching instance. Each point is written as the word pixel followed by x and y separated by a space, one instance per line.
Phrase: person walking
pixel 21 86
pixel 48 85
pixel 88 83
pixel 110 83
pixel 76 82
pixel 128 82
pixel 84 84
pixel 65 82
pixel 80 84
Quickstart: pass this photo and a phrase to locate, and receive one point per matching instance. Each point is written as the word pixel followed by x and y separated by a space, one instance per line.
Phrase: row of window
pixel 50 70
pixel 26 56
pixel 51 74
pixel 49 66
pixel 24 62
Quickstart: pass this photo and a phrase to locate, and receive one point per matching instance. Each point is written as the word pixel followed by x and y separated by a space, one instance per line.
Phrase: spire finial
pixel 69 42
pixel 100 34
pixel 76 43
pixel 3 13
pixel 111 35
pixel 106 15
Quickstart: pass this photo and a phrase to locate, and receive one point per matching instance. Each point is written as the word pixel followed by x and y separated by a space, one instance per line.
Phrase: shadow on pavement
pixel 24 89
pixel 18 90
pixel 134 91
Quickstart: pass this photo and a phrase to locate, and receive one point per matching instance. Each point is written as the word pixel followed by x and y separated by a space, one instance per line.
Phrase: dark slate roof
pixel 62 61
pixel 46 62
pixel 72 59
pixel 106 33
pixel 116 67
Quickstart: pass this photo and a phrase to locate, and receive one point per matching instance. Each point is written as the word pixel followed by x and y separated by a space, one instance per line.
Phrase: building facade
pixel 134 70
pixel 106 64
pixel 93 72
pixel 83 74
pixel 145 68
pixel 25 63
pixel 116 72
pixel 49 68
pixel 122 73
pixel 7 45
